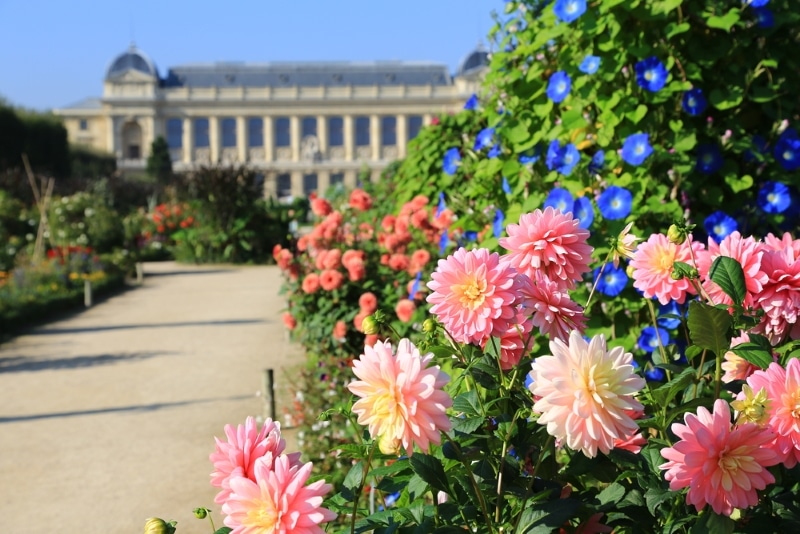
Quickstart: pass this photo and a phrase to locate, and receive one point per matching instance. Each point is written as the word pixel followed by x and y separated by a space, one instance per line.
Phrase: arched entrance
pixel 132 140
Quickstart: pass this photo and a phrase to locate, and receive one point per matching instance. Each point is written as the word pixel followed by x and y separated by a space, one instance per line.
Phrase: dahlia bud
pixel 676 235
pixel 370 326
pixel 200 513
pixel 156 525
pixel 429 325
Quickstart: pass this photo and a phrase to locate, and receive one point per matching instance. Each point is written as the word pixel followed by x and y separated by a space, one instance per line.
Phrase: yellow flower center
pixel 663 260
pixel 649 75
pixel 729 462
pixel 264 517
pixel 472 294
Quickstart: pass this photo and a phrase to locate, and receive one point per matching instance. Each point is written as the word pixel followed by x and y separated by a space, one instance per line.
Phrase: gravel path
pixel 108 417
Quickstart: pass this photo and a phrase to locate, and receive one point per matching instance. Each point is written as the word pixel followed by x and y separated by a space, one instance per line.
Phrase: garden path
pixel 107 417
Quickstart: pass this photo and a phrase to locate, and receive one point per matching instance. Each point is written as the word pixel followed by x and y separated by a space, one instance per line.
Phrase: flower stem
pixel 475 488
pixel 361 487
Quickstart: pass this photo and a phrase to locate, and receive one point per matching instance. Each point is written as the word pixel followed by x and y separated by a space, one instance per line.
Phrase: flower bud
pixel 429 325
pixel 676 275
pixel 676 235
pixel 200 513
pixel 156 525
pixel 370 326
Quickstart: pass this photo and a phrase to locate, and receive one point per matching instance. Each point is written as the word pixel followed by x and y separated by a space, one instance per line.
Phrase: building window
pixel 337 178
pixel 283 135
pixel 255 132
pixel 309 184
pixel 284 185
pixel 362 131
pixel 335 131
pixel 228 127
pixel 83 124
pixel 175 133
pixel 201 133
pixel 388 131
pixel 414 126
pixel 308 127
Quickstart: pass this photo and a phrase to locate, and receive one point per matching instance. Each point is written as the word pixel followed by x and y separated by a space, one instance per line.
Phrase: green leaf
pixel 739 183
pixel 674 29
pixel 757 351
pixel 709 327
pixel 638 114
pixel 544 518
pixel 612 494
pixel 223 530
pixel 654 497
pixel 724 22
pixel 467 403
pixel 723 101
pixel 727 273
pixel 431 471
pixel 466 425
pixel 685 143
pixel 353 480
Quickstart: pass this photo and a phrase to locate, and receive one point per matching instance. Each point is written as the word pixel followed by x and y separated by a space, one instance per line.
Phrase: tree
pixel 159 164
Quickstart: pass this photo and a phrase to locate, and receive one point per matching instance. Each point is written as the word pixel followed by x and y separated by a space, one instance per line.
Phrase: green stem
pixel 361 488
pixel 475 488
pixel 500 469
pixel 532 479
pixel 213 528
pixel 717 375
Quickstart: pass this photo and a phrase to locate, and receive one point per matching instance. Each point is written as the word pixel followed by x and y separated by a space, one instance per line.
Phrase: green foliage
pixel 159 163
pixel 84 219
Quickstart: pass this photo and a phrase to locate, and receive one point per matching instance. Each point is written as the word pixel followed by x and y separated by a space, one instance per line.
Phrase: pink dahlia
pixel 736 367
pixel 780 295
pixel 652 263
pixel 515 341
pixel 550 242
pixel 310 283
pixel 747 251
pixel 783 398
pixel 721 465
pixel 360 200
pixel 245 445
pixel 330 279
pixel 585 393
pixel 277 500
pixel 473 294
pixel 405 309
pixel 368 302
pixel 401 398
pixel 550 307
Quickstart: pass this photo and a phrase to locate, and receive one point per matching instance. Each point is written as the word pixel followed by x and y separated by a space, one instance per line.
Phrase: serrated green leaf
pixel 654 497
pixel 754 353
pixel 354 476
pixel 430 470
pixel 612 494
pixel 467 403
pixel 709 327
pixel 728 274
pixel 543 518
pixel 466 425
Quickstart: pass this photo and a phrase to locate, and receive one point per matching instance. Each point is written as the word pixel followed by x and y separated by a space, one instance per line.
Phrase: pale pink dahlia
pixel 783 399
pixel 736 367
pixel 245 445
pixel 721 465
pixel 746 251
pixel 652 263
pixel 473 294
pixel 780 295
pixel 277 500
pixel 585 393
pixel 550 242
pixel 515 341
pixel 401 398
pixel 551 309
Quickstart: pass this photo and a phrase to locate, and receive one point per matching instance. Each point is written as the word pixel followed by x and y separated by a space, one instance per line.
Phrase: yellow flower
pixel 753 408
pixel 623 245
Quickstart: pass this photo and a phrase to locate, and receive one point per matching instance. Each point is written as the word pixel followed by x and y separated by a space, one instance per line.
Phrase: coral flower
pixel 721 465
pixel 368 302
pixel 289 321
pixel 277 501
pixel 515 341
pixel 405 309
pixel 585 393
pixel 352 257
pixel 550 308
pixel 747 252
pixel 310 283
pixel 652 268
pixel 360 200
pixel 472 294
pixel 551 242
pixel 340 330
pixel 780 295
pixel 401 398
pixel 330 279
pixel 321 207
pixel 237 456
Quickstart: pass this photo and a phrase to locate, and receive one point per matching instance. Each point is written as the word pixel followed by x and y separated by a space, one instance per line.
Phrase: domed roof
pixel 131 59
pixel 476 59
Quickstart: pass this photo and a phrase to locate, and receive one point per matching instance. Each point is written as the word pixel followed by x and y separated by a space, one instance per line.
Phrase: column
pixel 148 136
pixel 188 140
pixel 350 178
pixel 348 139
pixel 375 136
pixel 242 141
pixel 111 147
pixel 323 181
pixel 297 184
pixel 402 135
pixel 294 132
pixel 213 139
pixel 426 119
pixel 269 142
pixel 322 137
pixel 270 185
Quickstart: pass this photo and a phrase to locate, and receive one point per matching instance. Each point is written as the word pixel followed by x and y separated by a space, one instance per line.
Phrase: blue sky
pixel 55 52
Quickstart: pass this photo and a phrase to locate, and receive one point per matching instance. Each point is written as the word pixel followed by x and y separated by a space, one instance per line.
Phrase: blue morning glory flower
pixel 648 339
pixel 774 197
pixel 569 10
pixel 764 17
pixel 758 3
pixel 443 242
pixel 596 165
pixel 671 308
pixel 655 374
pixel 651 74
pixel 415 286
pixel 484 139
pixel 470 236
pixel 558 86
pixel 615 203
pixel 559 199
pixel 506 186
pixel 452 159
pixel 720 225
pixel 709 158
pixel 471 103
pixel 584 212
pixel 636 148
pixel 441 206
pixel 551 159
pixel 531 155
pixel 569 157
pixel 787 150
pixel 694 101
pixel 494 151
pixel 612 280
pixel 498 224
pixel 590 64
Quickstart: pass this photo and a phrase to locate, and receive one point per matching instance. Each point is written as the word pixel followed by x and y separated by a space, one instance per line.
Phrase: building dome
pixel 131 59
pixel 476 59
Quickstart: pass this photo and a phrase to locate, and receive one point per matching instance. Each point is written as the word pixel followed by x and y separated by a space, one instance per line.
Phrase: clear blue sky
pixel 55 52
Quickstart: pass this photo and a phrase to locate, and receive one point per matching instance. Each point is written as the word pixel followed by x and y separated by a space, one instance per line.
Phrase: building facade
pixel 305 126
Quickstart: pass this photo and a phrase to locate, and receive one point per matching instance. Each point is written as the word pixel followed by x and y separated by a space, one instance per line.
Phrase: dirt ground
pixel 107 417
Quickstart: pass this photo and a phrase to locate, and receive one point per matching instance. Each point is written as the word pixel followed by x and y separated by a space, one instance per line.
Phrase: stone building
pixel 304 125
